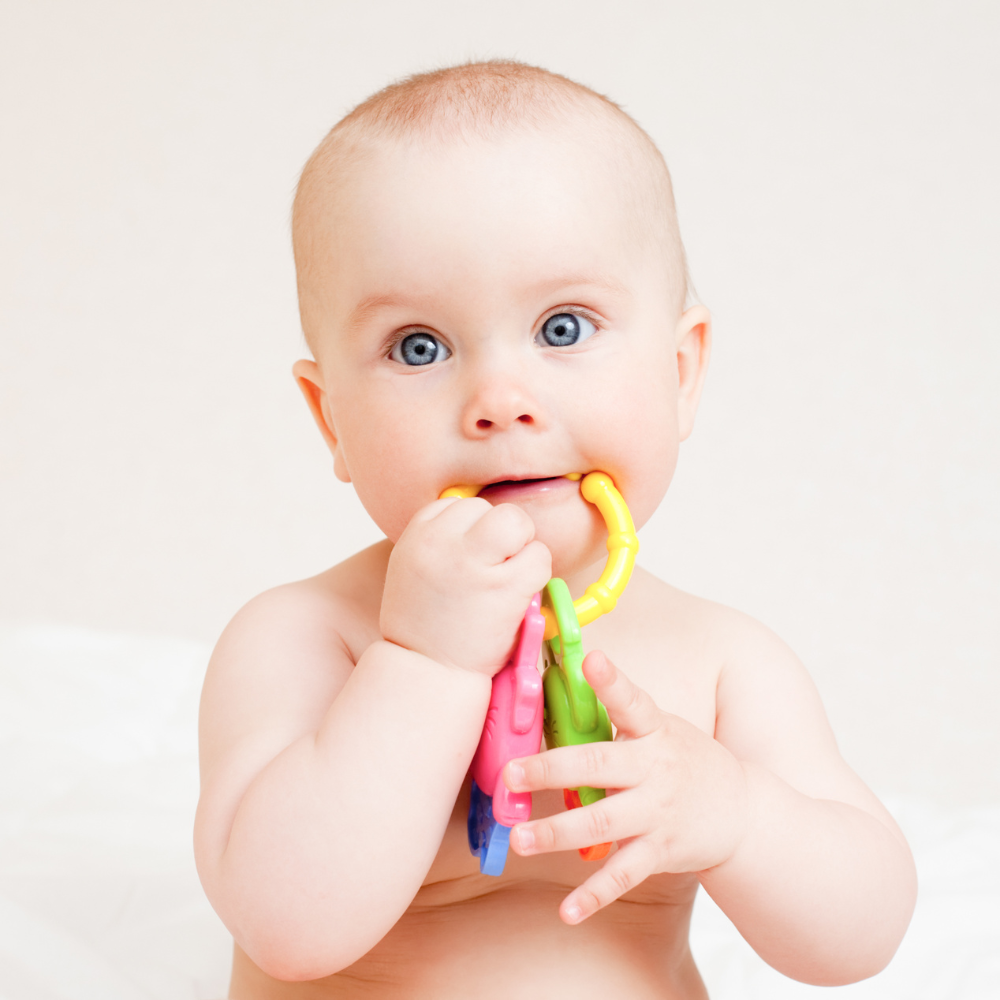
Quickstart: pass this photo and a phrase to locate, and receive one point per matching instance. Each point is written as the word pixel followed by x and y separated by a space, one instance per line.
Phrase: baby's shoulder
pixel 288 652
pixel 711 633
pixel 339 606
pixel 737 680
pixel 686 649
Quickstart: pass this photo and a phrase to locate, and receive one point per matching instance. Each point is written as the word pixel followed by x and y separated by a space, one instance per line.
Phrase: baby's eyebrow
pixel 554 283
pixel 370 304
pixel 549 285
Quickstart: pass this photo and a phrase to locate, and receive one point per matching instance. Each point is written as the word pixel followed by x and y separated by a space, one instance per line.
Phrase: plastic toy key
pixel 513 729
pixel 572 715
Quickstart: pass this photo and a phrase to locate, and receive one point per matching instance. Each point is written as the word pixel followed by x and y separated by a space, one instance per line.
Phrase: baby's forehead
pixel 565 199
pixel 455 125
pixel 569 156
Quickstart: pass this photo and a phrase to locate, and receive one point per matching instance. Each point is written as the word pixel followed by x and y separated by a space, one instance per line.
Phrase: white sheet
pixel 99 899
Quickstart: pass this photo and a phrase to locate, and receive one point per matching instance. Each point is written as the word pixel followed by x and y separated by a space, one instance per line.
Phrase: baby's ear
pixel 694 345
pixel 310 381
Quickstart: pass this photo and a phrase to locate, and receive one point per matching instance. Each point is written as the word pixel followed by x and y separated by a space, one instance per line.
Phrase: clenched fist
pixel 459 580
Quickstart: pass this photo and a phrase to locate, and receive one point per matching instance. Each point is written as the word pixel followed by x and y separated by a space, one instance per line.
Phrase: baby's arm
pixel 327 786
pixel 789 842
pixel 822 884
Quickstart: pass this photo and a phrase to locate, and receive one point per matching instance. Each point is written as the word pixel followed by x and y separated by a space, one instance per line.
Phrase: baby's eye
pixel 419 349
pixel 565 329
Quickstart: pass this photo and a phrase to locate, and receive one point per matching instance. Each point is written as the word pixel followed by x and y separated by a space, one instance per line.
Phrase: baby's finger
pixel 597 765
pixel 459 514
pixel 631 709
pixel 532 565
pixel 432 509
pixel 624 870
pixel 500 533
pixel 615 817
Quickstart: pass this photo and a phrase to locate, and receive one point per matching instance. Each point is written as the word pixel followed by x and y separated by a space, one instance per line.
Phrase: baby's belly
pixel 468 934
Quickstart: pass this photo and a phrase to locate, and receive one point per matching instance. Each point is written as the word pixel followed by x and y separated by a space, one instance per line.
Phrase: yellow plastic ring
pixel 600 597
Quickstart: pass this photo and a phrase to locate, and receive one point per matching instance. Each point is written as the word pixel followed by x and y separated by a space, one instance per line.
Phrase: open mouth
pixel 509 489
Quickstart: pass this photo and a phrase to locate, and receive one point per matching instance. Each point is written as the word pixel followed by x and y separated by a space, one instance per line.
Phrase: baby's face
pixel 495 313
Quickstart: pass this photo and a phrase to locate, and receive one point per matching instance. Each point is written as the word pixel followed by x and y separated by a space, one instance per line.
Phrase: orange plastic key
pixel 572 799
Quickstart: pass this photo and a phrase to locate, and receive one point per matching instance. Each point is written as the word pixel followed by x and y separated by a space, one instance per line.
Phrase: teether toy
pixel 572 714
pixel 513 728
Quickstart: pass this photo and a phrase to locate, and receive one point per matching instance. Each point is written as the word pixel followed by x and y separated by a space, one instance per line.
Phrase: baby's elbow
pixel 868 936
pixel 290 938
pixel 872 962
pixel 871 952
pixel 293 957
pixel 846 970
pixel 279 964
pixel 852 962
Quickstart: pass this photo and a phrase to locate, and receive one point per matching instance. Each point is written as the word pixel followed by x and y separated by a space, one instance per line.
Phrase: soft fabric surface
pixel 99 899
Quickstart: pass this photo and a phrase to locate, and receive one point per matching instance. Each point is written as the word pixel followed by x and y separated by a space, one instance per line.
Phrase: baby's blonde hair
pixel 479 97
pixel 484 100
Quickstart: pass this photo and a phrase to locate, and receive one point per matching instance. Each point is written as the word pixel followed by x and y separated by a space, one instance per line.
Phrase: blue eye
pixel 565 329
pixel 419 349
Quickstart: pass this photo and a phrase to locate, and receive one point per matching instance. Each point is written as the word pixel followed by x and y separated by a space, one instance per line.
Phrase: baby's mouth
pixel 506 490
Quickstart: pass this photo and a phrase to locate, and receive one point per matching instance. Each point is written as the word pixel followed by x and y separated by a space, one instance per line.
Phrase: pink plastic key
pixel 514 721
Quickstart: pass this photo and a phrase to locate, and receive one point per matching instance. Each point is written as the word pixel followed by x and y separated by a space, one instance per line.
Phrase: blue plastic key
pixel 488 839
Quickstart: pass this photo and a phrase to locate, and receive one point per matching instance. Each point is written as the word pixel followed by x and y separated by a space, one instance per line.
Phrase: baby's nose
pixel 498 406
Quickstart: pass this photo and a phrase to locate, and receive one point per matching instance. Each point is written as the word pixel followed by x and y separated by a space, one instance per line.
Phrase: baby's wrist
pixel 430 655
pixel 448 699
pixel 752 813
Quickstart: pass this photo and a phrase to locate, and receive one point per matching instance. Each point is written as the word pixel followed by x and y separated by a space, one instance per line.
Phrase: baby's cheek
pixel 644 498
pixel 646 469
pixel 392 454
pixel 643 441
pixel 389 501
pixel 392 484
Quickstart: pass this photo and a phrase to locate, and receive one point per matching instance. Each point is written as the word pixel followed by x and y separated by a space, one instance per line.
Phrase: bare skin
pixel 340 714
pixel 463 927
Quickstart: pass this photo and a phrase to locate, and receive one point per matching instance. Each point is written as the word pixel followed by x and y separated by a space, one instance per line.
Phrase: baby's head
pixel 492 283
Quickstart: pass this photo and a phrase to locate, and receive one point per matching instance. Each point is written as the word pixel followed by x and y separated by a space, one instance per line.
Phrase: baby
pixel 493 286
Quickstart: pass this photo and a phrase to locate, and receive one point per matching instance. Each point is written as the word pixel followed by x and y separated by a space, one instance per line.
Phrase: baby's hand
pixel 679 805
pixel 459 581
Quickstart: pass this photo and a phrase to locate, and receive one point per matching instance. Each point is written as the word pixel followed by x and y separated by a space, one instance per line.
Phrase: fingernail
pixel 525 839
pixel 516 774
pixel 573 913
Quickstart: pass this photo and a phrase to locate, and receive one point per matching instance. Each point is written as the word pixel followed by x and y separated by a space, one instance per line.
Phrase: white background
pixel 836 169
